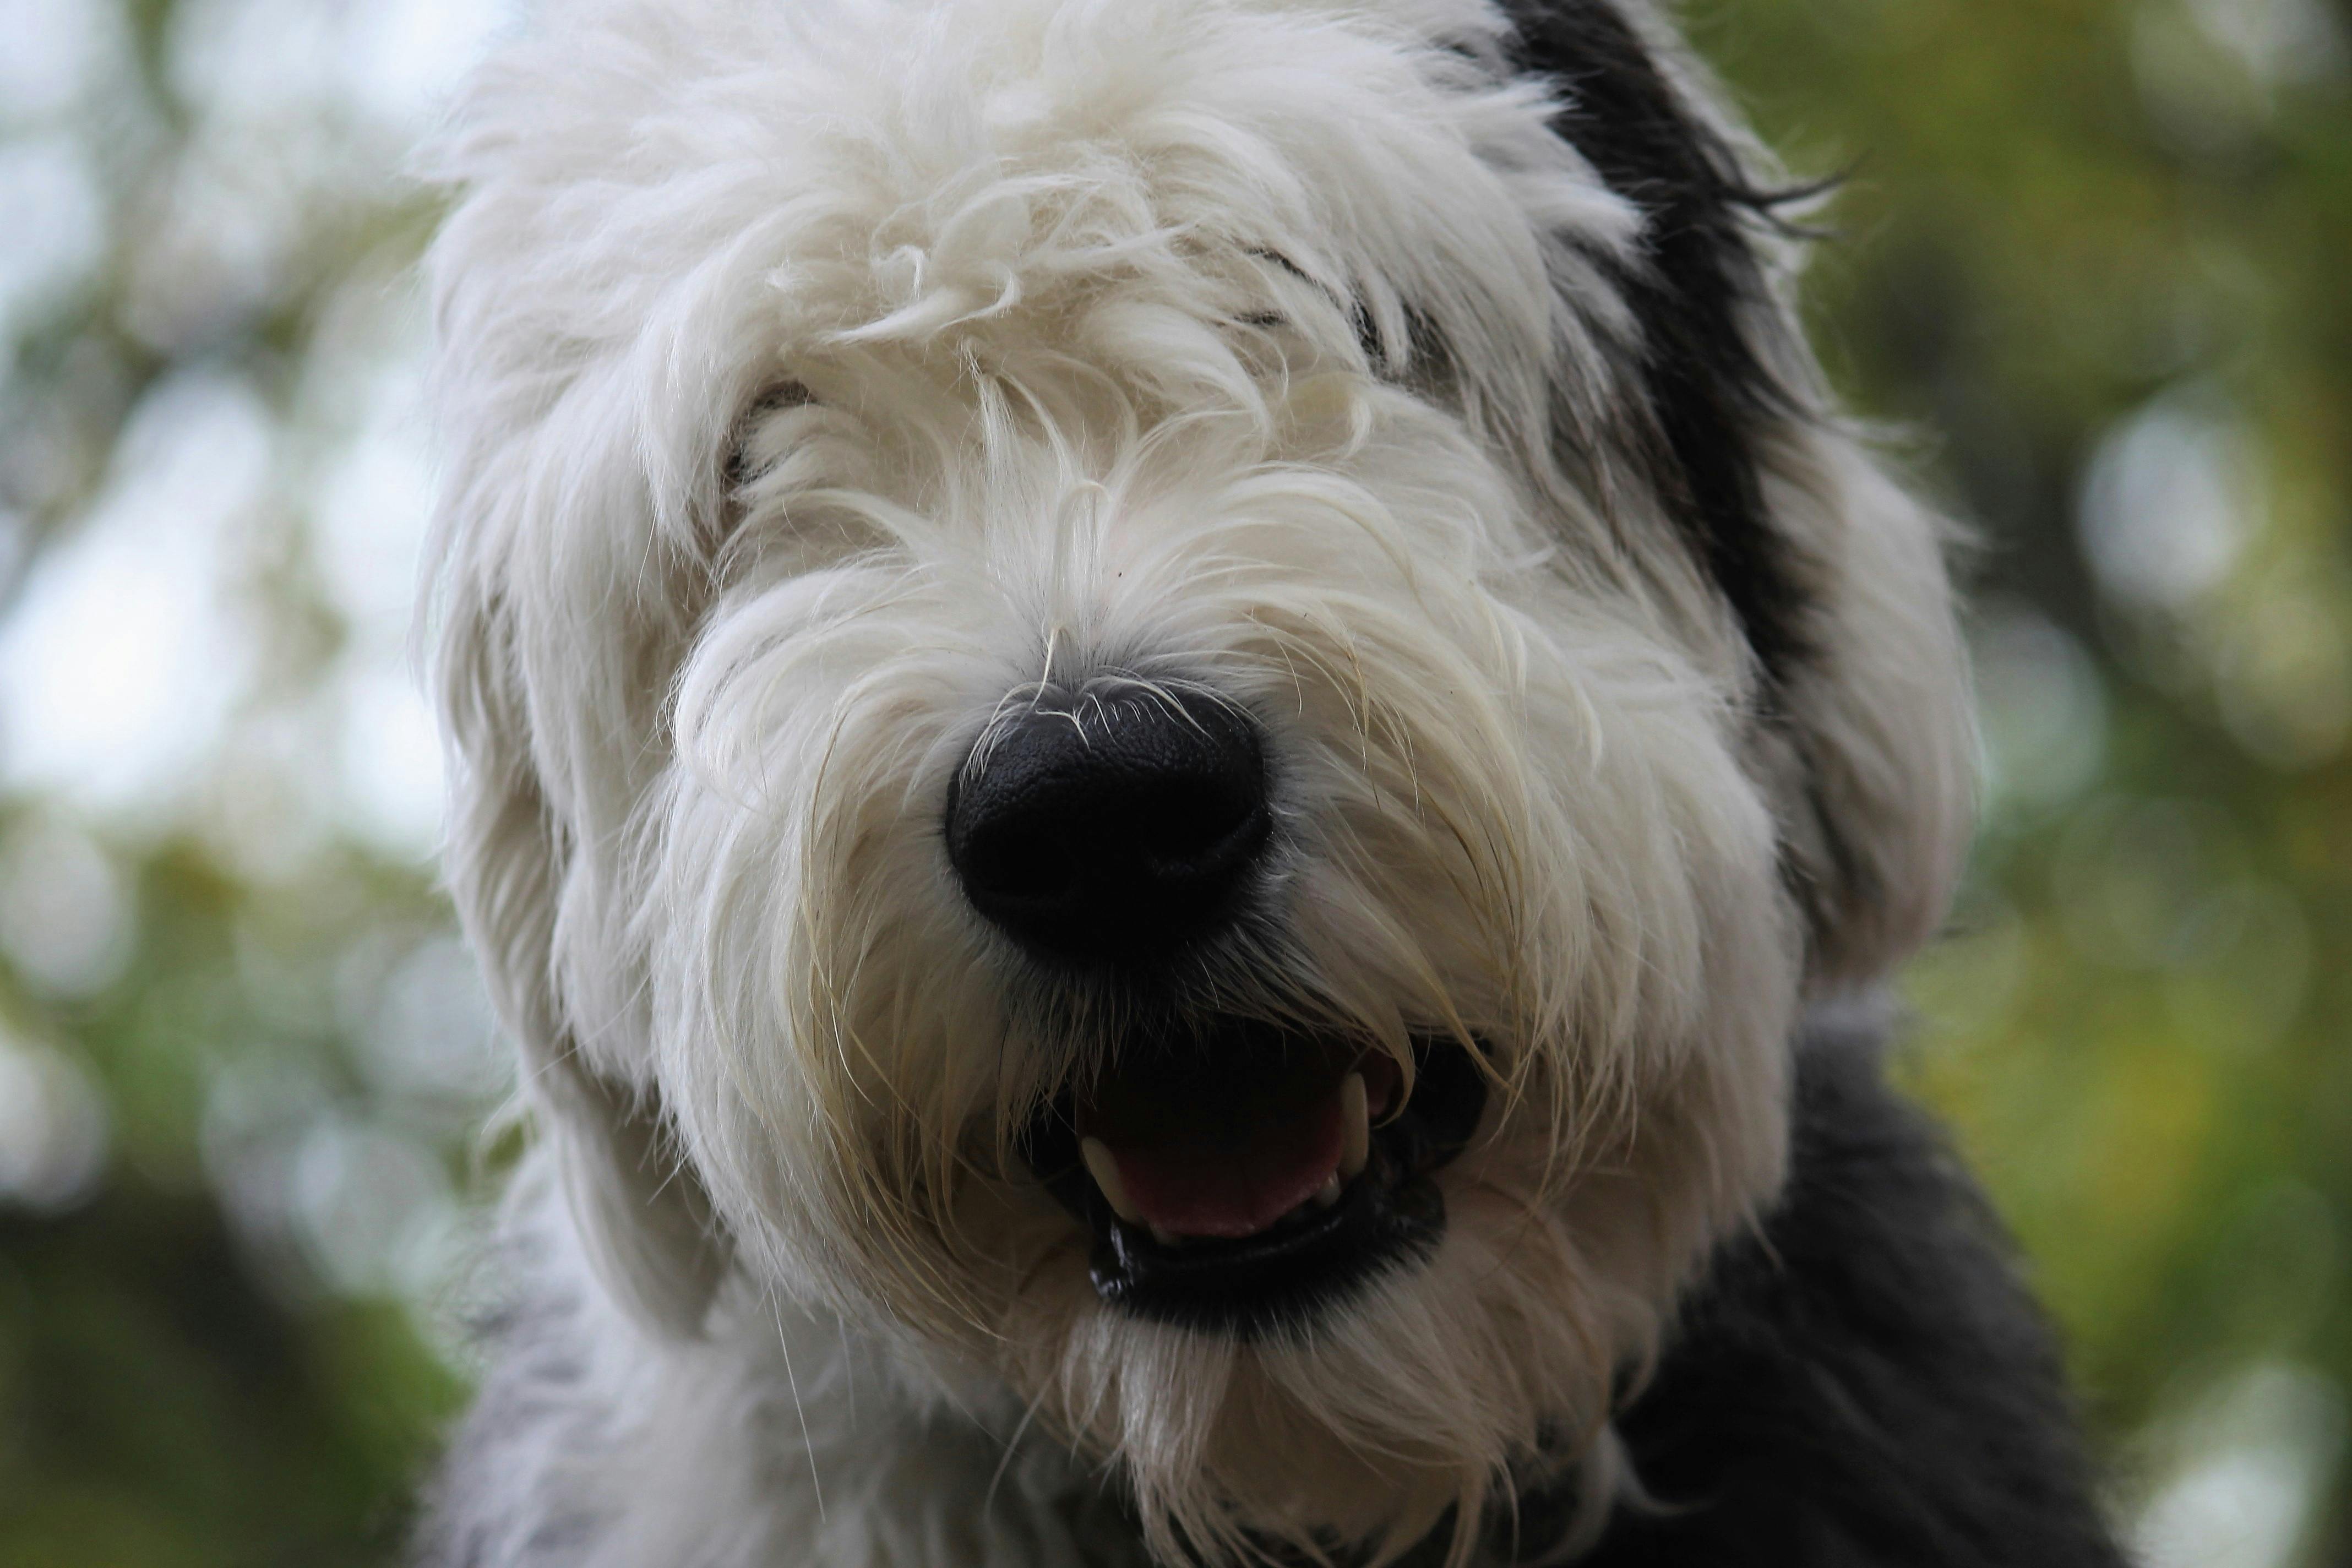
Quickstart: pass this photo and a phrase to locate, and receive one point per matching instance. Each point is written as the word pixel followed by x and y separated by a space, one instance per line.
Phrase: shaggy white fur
pixel 821 380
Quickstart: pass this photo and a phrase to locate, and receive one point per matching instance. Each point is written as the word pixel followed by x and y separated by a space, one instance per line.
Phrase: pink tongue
pixel 1238 1180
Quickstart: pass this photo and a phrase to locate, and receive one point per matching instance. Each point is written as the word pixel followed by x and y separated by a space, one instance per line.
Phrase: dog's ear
pixel 569 545
pixel 513 869
pixel 1831 574
pixel 1867 735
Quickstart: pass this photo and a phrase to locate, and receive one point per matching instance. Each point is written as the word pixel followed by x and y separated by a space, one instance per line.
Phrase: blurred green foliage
pixel 2097 254
pixel 2093 264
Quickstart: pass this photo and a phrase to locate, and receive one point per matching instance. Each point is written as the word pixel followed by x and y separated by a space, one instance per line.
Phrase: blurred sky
pixel 130 651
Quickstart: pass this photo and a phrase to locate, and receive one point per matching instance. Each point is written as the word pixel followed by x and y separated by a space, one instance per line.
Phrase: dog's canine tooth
pixel 1104 1171
pixel 1166 1237
pixel 1329 1192
pixel 1355 1127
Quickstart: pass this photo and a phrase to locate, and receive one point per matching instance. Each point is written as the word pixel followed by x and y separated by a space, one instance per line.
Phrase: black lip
pixel 1391 1216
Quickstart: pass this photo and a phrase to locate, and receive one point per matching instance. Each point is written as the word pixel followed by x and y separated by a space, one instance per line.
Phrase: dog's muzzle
pixel 1236 1174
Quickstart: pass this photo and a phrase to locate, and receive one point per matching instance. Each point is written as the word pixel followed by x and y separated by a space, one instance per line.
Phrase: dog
pixel 1190 754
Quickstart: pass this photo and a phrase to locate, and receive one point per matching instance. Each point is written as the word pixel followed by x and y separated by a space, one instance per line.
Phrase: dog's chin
pixel 1250 1179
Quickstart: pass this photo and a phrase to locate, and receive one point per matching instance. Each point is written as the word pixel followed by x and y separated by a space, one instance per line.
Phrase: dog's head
pixel 1173 695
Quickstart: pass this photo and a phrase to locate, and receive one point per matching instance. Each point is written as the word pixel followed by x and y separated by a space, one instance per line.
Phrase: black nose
pixel 1115 830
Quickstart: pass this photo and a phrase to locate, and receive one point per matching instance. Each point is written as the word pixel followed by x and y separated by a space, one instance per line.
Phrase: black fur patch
pixel 1867 1384
pixel 1711 394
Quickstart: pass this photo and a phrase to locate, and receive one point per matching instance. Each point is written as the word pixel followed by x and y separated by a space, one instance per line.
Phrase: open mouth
pixel 1250 1176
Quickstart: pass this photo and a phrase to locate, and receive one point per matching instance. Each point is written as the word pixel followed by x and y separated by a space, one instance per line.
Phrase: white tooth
pixel 1328 1193
pixel 1355 1127
pixel 1166 1237
pixel 1104 1171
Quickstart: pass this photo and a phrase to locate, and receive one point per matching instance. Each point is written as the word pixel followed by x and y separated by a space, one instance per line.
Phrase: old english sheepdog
pixel 1186 749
